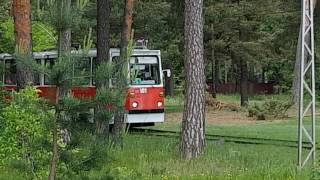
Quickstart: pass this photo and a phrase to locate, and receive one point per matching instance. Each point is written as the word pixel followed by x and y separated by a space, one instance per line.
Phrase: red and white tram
pixel 144 103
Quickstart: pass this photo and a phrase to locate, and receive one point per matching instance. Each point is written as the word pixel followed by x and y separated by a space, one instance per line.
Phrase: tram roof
pixel 5 55
pixel 90 53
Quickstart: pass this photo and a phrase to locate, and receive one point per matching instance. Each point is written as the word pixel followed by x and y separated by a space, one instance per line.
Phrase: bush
pixel 269 109
pixel 218 105
pixel 23 132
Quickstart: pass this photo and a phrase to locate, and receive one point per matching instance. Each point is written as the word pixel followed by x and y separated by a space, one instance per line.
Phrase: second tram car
pixel 144 103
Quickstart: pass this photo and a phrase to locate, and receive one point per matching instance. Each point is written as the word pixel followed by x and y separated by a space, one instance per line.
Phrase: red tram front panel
pixel 145 98
pixel 145 105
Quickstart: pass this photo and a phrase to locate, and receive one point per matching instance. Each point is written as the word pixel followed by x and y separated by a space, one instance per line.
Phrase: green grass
pixel 152 157
pixel 277 129
pixel 157 158
pixel 174 104
pixel 280 129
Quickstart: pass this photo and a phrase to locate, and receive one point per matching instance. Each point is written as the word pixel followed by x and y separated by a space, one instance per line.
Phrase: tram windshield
pixel 144 70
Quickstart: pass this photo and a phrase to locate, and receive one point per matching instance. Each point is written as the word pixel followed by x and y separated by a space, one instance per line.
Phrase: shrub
pixel 269 109
pixel 23 132
pixel 218 105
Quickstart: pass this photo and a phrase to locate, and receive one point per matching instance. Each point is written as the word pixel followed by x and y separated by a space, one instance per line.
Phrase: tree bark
pixel 242 63
pixel 126 28
pixel 54 160
pixel 169 84
pixel 125 38
pixel 216 74
pixel 103 30
pixel 244 82
pixel 192 140
pixel 226 69
pixel 64 41
pixel 23 40
pixel 213 67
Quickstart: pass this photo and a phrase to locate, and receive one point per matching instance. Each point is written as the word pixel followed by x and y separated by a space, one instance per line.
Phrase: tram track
pixel 224 138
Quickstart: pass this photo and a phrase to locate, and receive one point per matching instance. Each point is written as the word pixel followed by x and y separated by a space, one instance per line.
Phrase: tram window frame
pixel 46 79
pixel 158 79
pixel 13 72
pixel 154 70
pixel 112 80
pixel 93 70
pixel 86 66
pixel 37 75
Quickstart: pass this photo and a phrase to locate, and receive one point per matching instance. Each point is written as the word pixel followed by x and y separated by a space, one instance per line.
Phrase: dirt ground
pixel 212 116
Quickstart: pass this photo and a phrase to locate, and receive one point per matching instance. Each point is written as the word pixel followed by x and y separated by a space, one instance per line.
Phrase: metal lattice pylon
pixel 307 86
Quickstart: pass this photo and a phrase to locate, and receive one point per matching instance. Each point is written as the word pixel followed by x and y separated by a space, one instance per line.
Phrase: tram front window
pixel 144 70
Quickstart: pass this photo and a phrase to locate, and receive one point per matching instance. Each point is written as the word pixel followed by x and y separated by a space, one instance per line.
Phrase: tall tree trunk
pixel 169 83
pixel 296 74
pixel 54 159
pixel 64 47
pixel 243 82
pixel 125 37
pixel 64 32
pixel 226 69
pixel 192 140
pixel 216 74
pixel 23 40
pixel 242 62
pixel 60 92
pixel 103 29
pixel 64 41
pixel 213 65
pixel 296 77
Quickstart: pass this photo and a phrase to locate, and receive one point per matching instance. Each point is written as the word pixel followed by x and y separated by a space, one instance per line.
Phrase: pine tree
pixel 192 140
pixel 126 36
pixel 103 31
pixel 22 27
pixel 62 15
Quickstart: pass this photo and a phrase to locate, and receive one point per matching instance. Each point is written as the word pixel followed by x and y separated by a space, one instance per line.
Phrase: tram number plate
pixel 143 90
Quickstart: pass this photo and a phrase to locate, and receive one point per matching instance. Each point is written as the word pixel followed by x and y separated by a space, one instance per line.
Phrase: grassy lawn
pixel 146 157
pixel 155 157
pixel 151 157
pixel 283 130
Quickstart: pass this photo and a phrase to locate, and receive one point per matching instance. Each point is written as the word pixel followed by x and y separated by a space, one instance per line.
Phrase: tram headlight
pixel 160 104
pixel 134 104
pixel 131 94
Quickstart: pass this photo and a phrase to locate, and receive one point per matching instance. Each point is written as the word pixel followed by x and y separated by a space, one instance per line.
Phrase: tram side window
pixel 116 66
pixel 10 73
pixel 49 64
pixel 94 66
pixel 37 74
pixel 82 72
